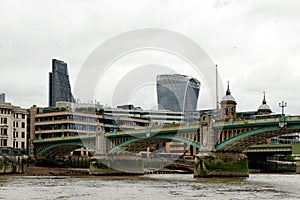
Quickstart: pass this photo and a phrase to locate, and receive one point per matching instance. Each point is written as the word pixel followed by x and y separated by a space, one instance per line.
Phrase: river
pixel 160 186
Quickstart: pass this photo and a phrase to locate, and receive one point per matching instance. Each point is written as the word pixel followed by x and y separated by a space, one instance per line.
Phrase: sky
pixel 255 44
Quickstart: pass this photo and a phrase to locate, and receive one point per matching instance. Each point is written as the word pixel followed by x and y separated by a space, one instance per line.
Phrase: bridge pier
pixel 297 159
pixel 219 164
pixel 107 164
pixel 116 165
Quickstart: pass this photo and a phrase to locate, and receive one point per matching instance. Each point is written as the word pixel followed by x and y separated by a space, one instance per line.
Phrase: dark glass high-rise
pixel 59 83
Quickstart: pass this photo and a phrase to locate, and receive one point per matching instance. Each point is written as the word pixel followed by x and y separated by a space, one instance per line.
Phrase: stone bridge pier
pixel 211 163
pixel 104 163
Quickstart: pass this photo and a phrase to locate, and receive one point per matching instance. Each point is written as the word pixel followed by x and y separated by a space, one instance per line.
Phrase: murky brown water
pixel 257 186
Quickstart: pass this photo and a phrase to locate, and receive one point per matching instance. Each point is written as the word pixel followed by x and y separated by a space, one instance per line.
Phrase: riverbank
pixel 49 171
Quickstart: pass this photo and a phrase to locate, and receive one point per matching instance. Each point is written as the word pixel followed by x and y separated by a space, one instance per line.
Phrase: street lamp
pixel 282 105
pixel 282 121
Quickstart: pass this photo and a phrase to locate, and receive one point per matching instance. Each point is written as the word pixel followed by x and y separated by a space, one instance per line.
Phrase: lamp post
pixel 282 121
pixel 282 105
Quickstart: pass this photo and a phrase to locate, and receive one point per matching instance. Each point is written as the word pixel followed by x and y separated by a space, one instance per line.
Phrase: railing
pixel 64 138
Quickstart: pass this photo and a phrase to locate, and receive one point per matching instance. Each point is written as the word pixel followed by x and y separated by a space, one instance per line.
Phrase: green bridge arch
pixel 290 129
pixel 189 142
pixel 64 144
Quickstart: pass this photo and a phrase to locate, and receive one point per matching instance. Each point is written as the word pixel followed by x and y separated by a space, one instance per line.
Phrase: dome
pixel 264 107
pixel 228 98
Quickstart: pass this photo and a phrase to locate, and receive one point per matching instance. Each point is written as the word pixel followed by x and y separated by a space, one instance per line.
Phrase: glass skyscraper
pixel 2 97
pixel 59 84
pixel 177 93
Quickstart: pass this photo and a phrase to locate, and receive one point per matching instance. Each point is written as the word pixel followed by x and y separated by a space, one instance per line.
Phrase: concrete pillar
pixel 101 142
pixel 207 134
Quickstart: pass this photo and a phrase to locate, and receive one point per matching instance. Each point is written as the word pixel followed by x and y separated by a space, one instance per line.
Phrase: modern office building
pixel 59 84
pixel 13 126
pixel 178 93
pixel 2 97
pixel 68 121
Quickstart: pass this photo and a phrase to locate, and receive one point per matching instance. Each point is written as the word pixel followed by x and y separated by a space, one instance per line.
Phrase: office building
pixel 2 97
pixel 59 84
pixel 178 93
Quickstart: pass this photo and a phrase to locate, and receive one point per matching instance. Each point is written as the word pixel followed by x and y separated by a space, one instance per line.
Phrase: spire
pixel 264 100
pixel 228 91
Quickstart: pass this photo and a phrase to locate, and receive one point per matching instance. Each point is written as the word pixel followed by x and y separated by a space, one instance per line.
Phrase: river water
pixel 160 187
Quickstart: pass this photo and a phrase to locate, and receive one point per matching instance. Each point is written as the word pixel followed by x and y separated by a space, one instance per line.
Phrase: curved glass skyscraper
pixel 177 93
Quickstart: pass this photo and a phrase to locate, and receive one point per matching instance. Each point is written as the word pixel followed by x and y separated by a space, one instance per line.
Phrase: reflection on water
pixel 257 186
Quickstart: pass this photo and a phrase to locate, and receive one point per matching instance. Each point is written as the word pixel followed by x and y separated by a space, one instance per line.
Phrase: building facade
pixel 61 122
pixel 178 93
pixel 13 126
pixel 59 84
pixel 228 106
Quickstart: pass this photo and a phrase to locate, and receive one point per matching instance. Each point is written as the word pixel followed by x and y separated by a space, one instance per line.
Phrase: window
pixel 17 144
pixel 23 116
pixel 4 142
pixel 23 145
pixel 23 135
pixel 23 124
pixel 5 131
pixel 4 120
pixel 17 134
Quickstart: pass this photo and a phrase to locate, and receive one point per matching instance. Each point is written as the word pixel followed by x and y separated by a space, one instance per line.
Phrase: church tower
pixel 264 109
pixel 228 106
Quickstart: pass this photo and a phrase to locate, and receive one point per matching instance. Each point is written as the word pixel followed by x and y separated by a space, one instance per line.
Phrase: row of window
pixel 3 120
pixel 3 131
pixel 16 115
pixel 3 143
pixel 63 127
pixel 16 124
pixel 16 144
pixel 16 134
pixel 5 111
pixel 80 118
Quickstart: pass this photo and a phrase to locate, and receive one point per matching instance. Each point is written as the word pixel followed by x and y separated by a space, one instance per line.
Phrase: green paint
pixel 70 143
pixel 253 132
pixel 189 142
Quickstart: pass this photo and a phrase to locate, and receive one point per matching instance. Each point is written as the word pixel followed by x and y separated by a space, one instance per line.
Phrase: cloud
pixel 254 43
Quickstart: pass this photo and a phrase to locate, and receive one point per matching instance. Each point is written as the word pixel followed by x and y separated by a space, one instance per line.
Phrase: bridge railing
pixel 255 121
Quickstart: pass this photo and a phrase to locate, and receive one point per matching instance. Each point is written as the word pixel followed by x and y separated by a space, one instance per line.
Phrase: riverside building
pixel 13 126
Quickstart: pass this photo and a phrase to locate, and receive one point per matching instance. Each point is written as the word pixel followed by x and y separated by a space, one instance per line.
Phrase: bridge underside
pixel 141 145
pixel 243 141
pixel 61 149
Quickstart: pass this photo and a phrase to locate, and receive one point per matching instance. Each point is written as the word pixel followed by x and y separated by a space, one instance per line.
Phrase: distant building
pixel 2 97
pixel 228 106
pixel 264 109
pixel 59 84
pixel 13 126
pixel 178 93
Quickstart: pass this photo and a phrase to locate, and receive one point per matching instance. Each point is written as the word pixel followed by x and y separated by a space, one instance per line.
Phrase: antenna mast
pixel 217 88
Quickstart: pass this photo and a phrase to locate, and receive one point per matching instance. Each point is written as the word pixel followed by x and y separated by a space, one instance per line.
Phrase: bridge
pixel 209 137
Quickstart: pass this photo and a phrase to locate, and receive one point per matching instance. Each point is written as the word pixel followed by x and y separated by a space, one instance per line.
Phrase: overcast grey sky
pixel 255 43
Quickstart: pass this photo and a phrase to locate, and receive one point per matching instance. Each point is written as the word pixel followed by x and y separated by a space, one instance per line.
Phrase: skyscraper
pixel 59 84
pixel 2 97
pixel 177 93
